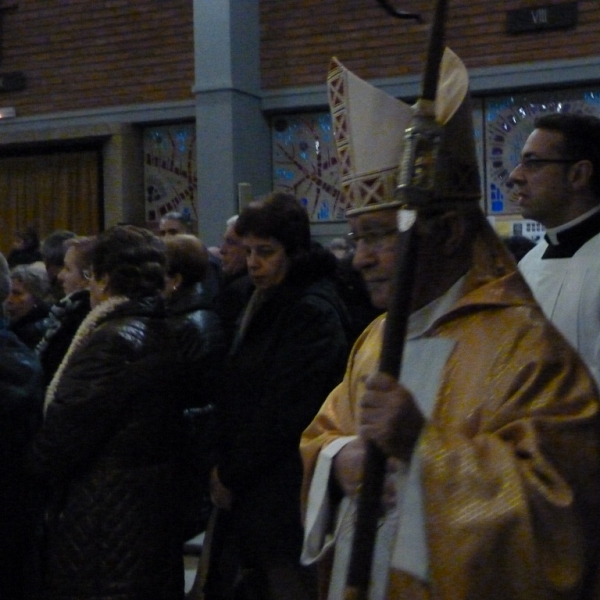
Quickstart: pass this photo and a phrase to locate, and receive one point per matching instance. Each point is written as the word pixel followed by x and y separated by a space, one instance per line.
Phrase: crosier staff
pixel 416 190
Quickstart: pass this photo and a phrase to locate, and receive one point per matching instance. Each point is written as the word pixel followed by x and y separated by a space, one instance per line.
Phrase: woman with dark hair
pixel 109 446
pixel 289 352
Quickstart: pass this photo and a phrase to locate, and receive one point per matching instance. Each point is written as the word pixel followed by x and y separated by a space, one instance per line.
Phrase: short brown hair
pixel 187 256
pixel 84 246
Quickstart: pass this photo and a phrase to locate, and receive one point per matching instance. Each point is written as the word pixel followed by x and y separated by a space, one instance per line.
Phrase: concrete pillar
pixel 233 138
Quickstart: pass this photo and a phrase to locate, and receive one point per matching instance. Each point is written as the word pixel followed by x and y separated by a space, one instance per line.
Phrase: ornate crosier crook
pixel 400 14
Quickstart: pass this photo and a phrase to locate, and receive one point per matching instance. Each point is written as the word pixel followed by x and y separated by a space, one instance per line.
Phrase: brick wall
pixel 80 54
pixel 83 54
pixel 299 36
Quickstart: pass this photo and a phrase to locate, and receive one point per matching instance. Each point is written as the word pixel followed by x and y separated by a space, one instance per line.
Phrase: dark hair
pixel 581 139
pixel 279 216
pixel 188 256
pixel 30 238
pixel 132 258
pixel 53 250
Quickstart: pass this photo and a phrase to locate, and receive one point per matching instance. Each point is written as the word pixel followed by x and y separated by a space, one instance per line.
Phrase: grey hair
pixel 34 279
pixel 232 220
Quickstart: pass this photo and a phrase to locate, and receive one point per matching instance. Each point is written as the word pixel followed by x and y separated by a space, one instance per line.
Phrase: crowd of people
pixel 152 388
pixel 144 387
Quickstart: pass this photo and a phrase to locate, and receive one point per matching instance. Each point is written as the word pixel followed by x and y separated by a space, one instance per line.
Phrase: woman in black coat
pixel 289 353
pixel 110 444
pixel 202 349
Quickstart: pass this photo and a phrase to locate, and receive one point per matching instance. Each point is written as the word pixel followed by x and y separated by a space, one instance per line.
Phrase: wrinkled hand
pixel 348 466
pixel 389 416
pixel 220 496
pixel 348 471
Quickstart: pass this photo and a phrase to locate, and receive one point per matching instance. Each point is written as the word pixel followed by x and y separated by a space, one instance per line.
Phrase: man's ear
pixel 580 174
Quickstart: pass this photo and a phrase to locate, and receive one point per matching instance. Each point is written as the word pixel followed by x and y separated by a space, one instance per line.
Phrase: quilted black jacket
pixel 110 449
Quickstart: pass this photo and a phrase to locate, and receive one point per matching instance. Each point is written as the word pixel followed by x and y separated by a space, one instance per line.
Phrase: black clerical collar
pixel 564 243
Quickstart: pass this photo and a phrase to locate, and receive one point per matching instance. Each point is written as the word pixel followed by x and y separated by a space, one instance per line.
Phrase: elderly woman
pixel 109 446
pixel 67 314
pixel 289 353
pixel 28 303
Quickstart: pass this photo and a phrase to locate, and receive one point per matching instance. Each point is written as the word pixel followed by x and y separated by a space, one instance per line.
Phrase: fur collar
pixel 87 327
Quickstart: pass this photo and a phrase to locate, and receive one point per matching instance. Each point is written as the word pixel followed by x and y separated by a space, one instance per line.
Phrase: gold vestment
pixel 510 457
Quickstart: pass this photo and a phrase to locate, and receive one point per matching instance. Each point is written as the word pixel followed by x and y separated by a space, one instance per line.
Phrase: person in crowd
pixel 188 303
pixel 557 183
pixel 175 223
pixel 26 249
pixel 491 432
pixel 53 255
pixel 67 314
pixel 237 286
pixel 27 304
pixel 21 402
pixel 202 347
pixel 290 348
pixel 233 255
pixel 110 445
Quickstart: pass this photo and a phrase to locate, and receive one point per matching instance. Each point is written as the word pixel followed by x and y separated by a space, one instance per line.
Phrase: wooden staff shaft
pixel 369 501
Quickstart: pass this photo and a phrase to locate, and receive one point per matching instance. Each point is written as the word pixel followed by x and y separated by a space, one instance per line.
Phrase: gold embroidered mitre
pixel 369 127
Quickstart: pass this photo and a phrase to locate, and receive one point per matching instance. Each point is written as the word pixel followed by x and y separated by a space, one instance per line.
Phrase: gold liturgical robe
pixel 509 457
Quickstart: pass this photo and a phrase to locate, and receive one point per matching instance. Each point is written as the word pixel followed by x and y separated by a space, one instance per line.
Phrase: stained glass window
pixel 170 179
pixel 305 163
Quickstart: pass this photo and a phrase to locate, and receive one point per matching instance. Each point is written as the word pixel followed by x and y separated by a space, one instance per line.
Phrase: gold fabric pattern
pixel 510 458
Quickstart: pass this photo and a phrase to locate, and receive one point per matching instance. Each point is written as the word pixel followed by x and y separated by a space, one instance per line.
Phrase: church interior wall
pixel 121 67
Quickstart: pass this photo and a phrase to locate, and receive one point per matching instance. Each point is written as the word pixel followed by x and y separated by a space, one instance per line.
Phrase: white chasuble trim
pixel 317 531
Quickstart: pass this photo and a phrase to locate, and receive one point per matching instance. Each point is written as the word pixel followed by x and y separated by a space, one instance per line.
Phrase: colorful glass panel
pixel 305 163
pixel 170 179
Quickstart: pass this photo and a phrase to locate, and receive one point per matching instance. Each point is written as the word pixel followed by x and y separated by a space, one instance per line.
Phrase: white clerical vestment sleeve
pixel 318 536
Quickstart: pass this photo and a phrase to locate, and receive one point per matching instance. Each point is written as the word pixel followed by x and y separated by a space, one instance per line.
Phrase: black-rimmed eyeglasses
pixel 532 164
pixel 374 239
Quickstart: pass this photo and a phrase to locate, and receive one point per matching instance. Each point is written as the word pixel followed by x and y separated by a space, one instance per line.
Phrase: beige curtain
pixel 51 191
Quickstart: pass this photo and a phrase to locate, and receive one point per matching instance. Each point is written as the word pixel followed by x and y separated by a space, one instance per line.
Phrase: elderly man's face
pixel 376 234
pixel 233 254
